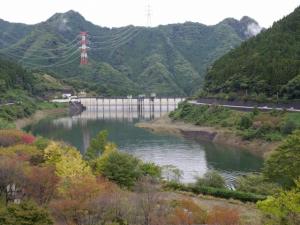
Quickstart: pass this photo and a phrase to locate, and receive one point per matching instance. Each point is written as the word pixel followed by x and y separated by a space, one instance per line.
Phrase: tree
pixel 282 208
pixel 41 184
pixel 283 165
pixel 26 213
pixel 74 205
pixel 172 173
pixel 211 179
pixel 67 160
pixel 256 184
pixel 147 199
pixel 292 88
pixel 11 172
pixel 121 168
pixel 152 170
pixel 97 145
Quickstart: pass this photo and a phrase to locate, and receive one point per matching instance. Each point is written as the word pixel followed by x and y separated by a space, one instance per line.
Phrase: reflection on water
pixel 192 157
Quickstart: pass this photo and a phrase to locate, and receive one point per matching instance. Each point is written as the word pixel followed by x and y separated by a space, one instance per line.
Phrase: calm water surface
pixel 193 157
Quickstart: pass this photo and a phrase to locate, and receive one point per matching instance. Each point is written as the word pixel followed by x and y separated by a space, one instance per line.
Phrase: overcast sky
pixel 116 13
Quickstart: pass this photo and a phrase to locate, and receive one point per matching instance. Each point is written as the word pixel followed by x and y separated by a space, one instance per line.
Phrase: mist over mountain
pixel 268 64
pixel 168 59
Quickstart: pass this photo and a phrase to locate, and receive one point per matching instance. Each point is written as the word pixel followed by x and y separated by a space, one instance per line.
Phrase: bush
pixel 121 168
pixel 5 124
pixel 24 213
pixel 150 169
pixel 255 111
pixel 227 194
pixel 282 208
pixel 27 139
pixel 245 122
pixel 262 132
pixel 13 137
pixel 211 179
pixel 41 143
pixel 288 127
pixel 256 184
pixel 217 192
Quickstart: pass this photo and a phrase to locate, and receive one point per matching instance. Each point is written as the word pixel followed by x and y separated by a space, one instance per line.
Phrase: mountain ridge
pixel 173 58
pixel 267 64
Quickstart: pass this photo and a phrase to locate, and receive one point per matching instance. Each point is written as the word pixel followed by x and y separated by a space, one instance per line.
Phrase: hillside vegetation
pixel 168 60
pixel 268 126
pixel 268 64
pixel 55 184
pixel 22 91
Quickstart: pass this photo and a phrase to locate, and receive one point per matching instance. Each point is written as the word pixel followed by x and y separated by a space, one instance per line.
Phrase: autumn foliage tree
pixel 41 184
pixel 72 206
pixel 67 160
pixel 11 172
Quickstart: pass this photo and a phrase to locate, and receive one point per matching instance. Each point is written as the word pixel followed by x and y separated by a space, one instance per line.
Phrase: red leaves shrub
pixel 223 216
pixel 28 139
pixel 13 137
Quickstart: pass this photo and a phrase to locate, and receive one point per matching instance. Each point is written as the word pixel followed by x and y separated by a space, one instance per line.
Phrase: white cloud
pixel 253 29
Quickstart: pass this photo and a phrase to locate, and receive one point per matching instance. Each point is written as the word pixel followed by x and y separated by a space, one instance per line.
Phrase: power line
pixel 149 14
pixel 65 52
pixel 118 43
pixel 126 32
pixel 96 46
pixel 116 33
pixel 64 61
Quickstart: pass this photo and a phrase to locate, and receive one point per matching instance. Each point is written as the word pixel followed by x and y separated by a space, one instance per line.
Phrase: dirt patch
pixel 217 135
pixel 38 115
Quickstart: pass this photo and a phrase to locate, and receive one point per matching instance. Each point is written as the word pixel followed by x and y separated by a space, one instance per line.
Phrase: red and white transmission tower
pixel 84 49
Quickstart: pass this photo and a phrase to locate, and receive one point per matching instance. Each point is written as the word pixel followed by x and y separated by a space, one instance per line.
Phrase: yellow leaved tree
pixel 67 161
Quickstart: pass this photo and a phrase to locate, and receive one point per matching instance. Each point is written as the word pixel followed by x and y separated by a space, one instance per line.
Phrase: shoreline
pixel 37 116
pixel 216 135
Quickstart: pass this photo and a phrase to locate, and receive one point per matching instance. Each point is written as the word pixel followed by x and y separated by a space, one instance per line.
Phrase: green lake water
pixel 193 157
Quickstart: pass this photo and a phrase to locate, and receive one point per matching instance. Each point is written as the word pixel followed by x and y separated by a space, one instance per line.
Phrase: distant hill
pixel 168 60
pixel 268 64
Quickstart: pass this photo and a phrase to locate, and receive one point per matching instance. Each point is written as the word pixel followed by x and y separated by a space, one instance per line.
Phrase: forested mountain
pixel 14 78
pixel 170 59
pixel 22 91
pixel 267 64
